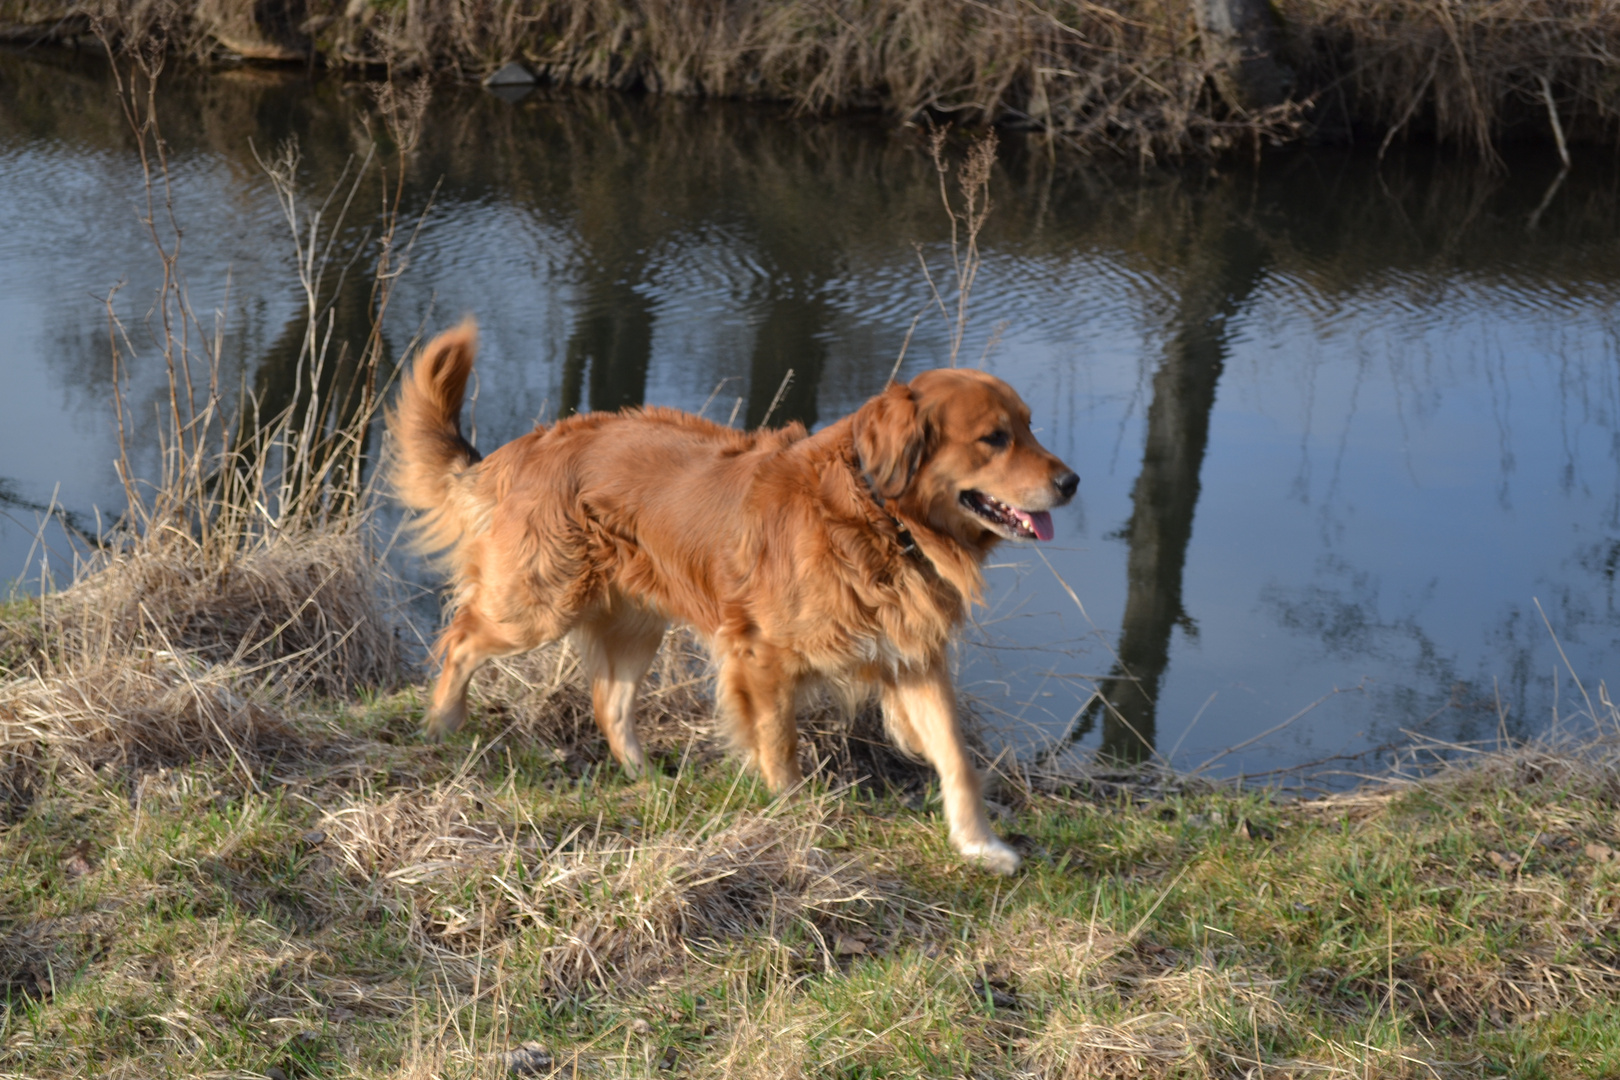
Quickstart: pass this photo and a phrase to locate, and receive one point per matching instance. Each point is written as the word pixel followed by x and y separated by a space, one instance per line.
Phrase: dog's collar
pixel 908 543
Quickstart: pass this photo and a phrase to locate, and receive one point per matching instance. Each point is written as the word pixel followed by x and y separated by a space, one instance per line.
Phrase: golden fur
pixel 789 552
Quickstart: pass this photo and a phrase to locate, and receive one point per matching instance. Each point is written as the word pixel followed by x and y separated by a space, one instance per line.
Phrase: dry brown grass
pixel 606 908
pixel 1150 1045
pixel 1125 76
pixel 1463 71
pixel 307 612
pixel 129 713
pixel 159 654
pixel 241 577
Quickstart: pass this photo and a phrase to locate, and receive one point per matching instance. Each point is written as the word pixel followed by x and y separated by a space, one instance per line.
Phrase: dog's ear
pixel 890 437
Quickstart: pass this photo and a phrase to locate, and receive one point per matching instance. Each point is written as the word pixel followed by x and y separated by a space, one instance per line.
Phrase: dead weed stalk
pixel 973 185
pixel 244 566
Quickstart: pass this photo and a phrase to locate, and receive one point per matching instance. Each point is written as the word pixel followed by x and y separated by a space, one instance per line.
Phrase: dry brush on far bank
pixel 1124 76
pixel 1117 76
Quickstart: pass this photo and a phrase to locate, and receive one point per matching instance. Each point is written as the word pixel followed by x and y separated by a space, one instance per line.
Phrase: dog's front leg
pixel 757 692
pixel 921 711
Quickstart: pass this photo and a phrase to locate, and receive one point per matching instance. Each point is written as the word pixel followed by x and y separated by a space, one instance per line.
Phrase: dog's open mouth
pixel 1009 521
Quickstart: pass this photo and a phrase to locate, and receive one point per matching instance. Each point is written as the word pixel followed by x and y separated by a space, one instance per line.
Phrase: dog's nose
pixel 1067 485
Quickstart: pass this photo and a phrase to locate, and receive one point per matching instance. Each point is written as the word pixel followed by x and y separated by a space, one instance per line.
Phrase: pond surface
pixel 1339 425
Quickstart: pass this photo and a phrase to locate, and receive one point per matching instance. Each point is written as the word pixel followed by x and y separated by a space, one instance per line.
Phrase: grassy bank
pixel 203 875
pixel 1125 76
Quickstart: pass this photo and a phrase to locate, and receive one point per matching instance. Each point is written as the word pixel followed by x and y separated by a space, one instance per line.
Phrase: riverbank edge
pixel 1124 77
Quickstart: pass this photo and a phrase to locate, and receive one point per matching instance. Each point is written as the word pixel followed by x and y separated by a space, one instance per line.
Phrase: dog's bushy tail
pixel 432 462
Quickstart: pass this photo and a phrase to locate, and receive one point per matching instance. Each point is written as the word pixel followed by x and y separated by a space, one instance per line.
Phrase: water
pixel 1339 426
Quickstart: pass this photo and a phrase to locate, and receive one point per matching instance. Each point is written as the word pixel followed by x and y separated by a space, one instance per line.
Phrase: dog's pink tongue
pixel 1039 523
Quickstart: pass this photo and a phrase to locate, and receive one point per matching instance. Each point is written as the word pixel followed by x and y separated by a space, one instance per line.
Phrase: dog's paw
pixel 439 727
pixel 993 855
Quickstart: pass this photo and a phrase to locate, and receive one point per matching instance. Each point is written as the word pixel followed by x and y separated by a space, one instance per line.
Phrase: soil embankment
pixel 1136 77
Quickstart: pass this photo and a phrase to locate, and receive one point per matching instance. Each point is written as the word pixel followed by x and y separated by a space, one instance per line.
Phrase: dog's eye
pixel 996 439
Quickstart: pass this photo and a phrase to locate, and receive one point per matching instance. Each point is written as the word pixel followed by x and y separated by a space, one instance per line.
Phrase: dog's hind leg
pixel 465 645
pixel 617 648
pixel 920 708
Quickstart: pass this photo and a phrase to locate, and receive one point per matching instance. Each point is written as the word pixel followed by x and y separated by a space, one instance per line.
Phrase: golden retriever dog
pixel 844 558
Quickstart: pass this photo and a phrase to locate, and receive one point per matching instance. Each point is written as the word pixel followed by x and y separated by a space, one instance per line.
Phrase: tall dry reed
pixel 241 569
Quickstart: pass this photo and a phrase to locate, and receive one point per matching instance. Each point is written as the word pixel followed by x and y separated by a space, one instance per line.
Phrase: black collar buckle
pixel 908 543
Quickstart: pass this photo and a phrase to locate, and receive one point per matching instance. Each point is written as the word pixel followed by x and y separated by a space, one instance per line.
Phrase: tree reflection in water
pixel 1226 262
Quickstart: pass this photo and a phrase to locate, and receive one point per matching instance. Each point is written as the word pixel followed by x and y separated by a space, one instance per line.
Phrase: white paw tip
pixel 993 855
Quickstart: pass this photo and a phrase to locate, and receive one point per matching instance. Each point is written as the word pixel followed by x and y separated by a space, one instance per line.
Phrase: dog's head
pixel 953 448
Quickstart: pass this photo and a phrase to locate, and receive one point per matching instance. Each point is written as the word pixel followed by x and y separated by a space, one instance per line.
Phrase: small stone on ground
pixel 511 73
pixel 529 1059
